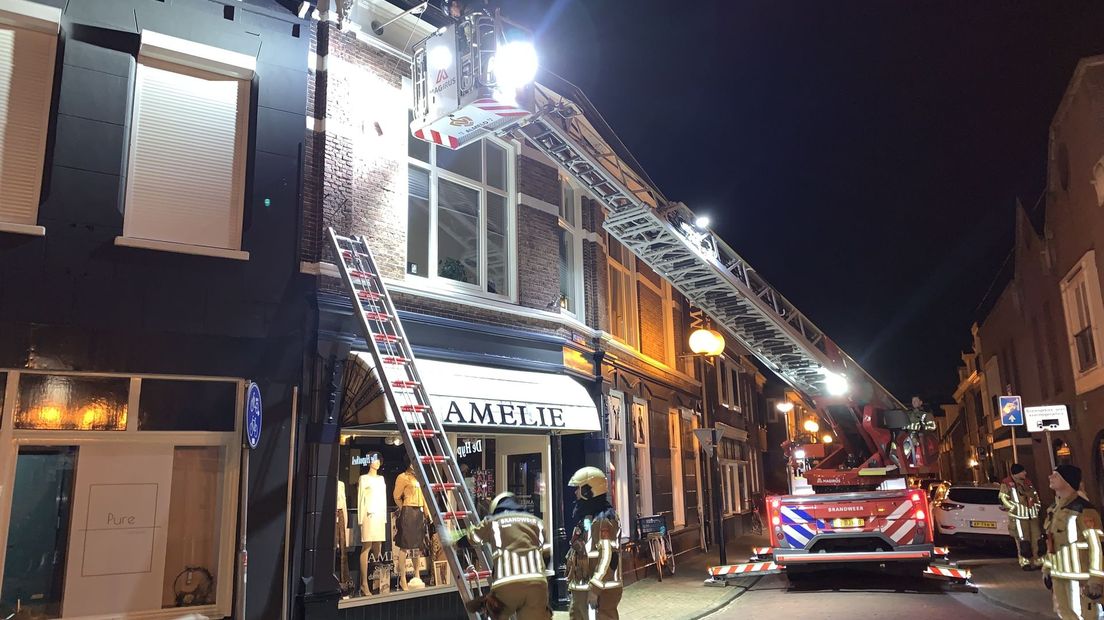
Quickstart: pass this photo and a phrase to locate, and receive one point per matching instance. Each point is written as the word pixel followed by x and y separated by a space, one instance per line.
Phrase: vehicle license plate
pixel 856 522
pixel 992 525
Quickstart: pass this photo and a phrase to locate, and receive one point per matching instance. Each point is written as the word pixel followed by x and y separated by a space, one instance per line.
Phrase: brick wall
pixel 538 180
pixel 538 259
pixel 652 336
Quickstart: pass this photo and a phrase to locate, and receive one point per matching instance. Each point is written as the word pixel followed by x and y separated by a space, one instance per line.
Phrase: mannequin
pixel 341 542
pixel 372 517
pixel 410 526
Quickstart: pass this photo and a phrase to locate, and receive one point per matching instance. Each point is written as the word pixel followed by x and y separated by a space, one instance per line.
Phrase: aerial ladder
pixel 474 77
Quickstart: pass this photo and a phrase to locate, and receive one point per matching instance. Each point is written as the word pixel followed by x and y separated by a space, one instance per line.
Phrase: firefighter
pixel 594 559
pixel 1073 568
pixel 1018 495
pixel 519 550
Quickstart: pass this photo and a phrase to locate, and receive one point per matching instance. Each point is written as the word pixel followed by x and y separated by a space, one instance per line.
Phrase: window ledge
pixel 181 248
pixel 23 229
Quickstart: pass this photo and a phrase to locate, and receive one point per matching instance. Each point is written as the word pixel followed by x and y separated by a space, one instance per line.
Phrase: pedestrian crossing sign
pixel 1011 411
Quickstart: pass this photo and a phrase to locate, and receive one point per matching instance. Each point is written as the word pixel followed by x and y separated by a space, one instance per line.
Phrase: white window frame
pixel 735 488
pixel 643 491
pixel 166 53
pixel 12 439
pixel 34 19
pixel 1082 302
pixel 617 462
pixel 437 173
pixel 728 383
pixel 627 275
pixel 573 227
pixel 678 497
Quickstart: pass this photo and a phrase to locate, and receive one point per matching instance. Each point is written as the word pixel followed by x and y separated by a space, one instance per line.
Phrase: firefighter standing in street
pixel 519 551
pixel 1018 495
pixel 1074 567
pixel 593 561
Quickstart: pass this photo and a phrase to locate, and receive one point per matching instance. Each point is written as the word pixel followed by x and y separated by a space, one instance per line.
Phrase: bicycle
pixel 757 506
pixel 654 528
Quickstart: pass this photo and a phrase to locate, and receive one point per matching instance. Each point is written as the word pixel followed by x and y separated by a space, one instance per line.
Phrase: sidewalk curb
pixel 727 600
pixel 999 603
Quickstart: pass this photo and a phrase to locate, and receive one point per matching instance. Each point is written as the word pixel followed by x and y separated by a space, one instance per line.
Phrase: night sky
pixel 865 157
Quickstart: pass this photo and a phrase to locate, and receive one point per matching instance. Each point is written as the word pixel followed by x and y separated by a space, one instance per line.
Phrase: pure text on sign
pixel 502 414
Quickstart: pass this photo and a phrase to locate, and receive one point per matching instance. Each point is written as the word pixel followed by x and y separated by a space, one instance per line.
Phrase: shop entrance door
pixel 38 534
pixel 523 466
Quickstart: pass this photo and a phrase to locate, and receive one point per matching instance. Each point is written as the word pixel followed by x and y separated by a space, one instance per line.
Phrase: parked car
pixel 971 513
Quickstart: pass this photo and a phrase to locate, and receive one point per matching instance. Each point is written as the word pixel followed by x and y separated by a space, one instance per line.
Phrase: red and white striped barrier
pixel 762 550
pixel 744 569
pixel 947 572
pixel 941 551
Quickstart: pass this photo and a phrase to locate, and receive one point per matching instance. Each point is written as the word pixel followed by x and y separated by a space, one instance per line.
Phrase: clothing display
pixel 372 507
pixel 408 491
pixel 341 537
pixel 410 527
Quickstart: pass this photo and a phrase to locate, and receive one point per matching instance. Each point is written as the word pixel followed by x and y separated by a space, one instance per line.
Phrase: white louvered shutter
pixel 26 82
pixel 187 157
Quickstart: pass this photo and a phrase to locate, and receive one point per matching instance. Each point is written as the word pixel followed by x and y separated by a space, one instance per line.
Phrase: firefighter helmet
pixel 498 499
pixel 590 476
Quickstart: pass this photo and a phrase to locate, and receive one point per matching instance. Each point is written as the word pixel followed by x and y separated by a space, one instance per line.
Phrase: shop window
pixel 618 468
pixel 460 217
pixel 642 459
pixel 28 47
pixel 185 182
pixel 168 405
pixel 59 402
pixel 678 498
pixel 38 529
pixel 384 545
pixel 192 552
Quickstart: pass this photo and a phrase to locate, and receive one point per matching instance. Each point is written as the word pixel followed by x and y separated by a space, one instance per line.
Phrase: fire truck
pixel 477 76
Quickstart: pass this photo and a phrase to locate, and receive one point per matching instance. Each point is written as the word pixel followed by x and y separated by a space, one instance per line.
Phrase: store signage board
pixel 254 413
pixel 1011 411
pixel 1047 418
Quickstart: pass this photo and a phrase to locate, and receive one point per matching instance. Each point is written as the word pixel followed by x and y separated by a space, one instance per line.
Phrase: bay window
pixel 461 217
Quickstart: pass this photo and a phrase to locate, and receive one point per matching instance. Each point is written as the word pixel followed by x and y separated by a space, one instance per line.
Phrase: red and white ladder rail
pixel 449 500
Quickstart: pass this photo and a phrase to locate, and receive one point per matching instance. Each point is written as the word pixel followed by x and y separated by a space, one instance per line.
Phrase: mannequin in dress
pixel 410 531
pixel 341 542
pixel 372 517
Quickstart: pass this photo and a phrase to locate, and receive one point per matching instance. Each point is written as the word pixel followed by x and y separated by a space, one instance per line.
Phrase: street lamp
pixel 826 438
pixel 811 426
pixel 708 343
pixel 784 406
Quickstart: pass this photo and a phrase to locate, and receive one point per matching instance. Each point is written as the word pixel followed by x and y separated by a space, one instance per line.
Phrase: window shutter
pixel 26 82
pixel 185 183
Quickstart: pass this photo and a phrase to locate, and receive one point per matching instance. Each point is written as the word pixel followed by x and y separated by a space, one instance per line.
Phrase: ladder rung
pixel 404 384
pixel 476 575
pixel 369 296
pixel 414 408
pixel 394 360
pixel 433 459
pixel 423 433
pixel 372 315
pixel 455 514
pixel 386 338
pixel 363 275
pixel 437 487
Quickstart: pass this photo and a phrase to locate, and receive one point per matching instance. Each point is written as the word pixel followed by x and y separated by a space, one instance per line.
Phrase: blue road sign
pixel 253 415
pixel 1011 411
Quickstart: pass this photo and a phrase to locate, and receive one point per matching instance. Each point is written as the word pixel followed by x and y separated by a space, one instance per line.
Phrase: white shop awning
pixel 492 400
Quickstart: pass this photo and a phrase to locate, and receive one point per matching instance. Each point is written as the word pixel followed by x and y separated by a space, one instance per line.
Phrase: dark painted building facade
pixel 148 237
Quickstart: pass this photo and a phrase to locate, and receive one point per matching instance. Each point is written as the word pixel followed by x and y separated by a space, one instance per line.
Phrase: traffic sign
pixel 254 412
pixel 706 437
pixel 1011 411
pixel 1047 418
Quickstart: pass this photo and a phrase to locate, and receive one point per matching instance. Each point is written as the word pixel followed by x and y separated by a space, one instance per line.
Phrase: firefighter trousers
pixel 527 599
pixel 1029 536
pixel 607 605
pixel 1069 603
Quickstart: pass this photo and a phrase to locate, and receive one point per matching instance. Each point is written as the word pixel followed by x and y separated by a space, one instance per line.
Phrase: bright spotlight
pixel 439 57
pixel 784 406
pixel 702 221
pixel 515 65
pixel 811 426
pixel 826 439
pixel 835 384
pixel 799 454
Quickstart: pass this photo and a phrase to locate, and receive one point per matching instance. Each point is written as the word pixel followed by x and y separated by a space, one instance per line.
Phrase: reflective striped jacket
pixel 1074 541
pixel 519 548
pixel 1021 500
pixel 594 560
